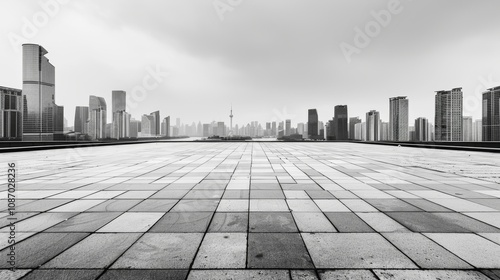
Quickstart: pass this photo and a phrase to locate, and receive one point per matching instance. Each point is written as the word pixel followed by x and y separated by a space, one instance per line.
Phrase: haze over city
pixel 270 60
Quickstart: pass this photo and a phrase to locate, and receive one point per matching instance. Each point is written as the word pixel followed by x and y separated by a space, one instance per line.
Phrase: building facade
pixel 491 114
pixel 312 124
pixel 398 118
pixel 448 115
pixel 11 117
pixel 373 126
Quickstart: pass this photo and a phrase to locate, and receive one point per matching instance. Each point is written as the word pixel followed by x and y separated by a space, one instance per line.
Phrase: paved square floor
pixel 253 211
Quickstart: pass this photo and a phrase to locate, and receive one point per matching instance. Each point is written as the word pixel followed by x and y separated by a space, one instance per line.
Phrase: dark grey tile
pixel 426 205
pixel 66 274
pixel 194 205
pixel 348 222
pixel 277 250
pixel 320 194
pixel 392 205
pixel 236 194
pixel 426 222
pixel 183 222
pixel 40 248
pixel 272 222
pixel 154 205
pixel 144 274
pixel 204 194
pixel 229 222
pixel 42 205
pixel 115 205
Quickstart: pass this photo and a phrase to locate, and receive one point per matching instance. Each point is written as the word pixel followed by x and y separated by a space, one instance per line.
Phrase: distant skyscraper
pixel 288 127
pixel 120 128
pixel 96 126
pixel 477 129
pixel 38 94
pixel 398 118
pixel 340 123
pixel 274 129
pixel 81 118
pixel 384 131
pixel 312 124
pixel 373 126
pixel 134 128
pixel 165 127
pixel 148 126
pixel 58 122
pixel 448 118
pixel 178 122
pixel 422 133
pixel 467 129
pixel 352 128
pixel 155 130
pixel 11 117
pixel 491 114
pixel 221 129
pixel 119 101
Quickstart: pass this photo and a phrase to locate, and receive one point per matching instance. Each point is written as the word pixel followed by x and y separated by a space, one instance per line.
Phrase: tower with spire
pixel 231 122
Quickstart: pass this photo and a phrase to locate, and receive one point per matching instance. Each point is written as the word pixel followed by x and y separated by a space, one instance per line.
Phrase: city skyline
pixel 232 67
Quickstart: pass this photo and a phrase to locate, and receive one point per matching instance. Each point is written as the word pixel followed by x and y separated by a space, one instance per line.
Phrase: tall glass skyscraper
pixel 11 118
pixel 119 101
pixel 491 114
pixel 448 118
pixel 97 117
pixel 373 126
pixel 81 118
pixel 38 94
pixel 398 118
pixel 312 124
pixel 340 122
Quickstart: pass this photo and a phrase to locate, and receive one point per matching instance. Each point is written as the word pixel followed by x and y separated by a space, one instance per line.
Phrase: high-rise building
pixel 11 117
pixel 165 127
pixel 477 131
pixel 384 131
pixel 120 128
pixel 96 125
pixel 491 114
pixel 134 128
pixel 274 130
pixel 422 133
pixel 206 130
pixel 467 129
pixel 398 118
pixel 155 130
pixel 288 127
pixel 312 124
pixel 58 122
pixel 352 127
pixel 448 118
pixel 148 126
pixel 340 126
pixel 221 129
pixel 38 94
pixel 81 118
pixel 119 101
pixel 373 126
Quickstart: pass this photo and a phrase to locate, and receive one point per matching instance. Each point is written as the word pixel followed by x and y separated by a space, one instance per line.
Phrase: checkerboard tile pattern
pixel 254 211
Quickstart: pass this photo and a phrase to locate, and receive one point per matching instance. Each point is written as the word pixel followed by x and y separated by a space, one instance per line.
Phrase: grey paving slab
pixel 348 222
pixel 132 222
pixel 149 274
pixel 8 274
pixel 347 275
pixel 239 274
pixel 229 222
pixel 183 222
pixel 222 251
pixel 427 222
pixel 392 205
pixel 494 274
pixel 277 250
pixel 424 252
pixel 354 250
pixel 430 275
pixel 313 222
pixel 40 222
pixel 268 205
pixel 303 275
pixel 380 222
pixel 154 205
pixel 474 249
pixel 41 205
pixel 118 205
pixel 195 205
pixel 84 222
pixel 40 248
pixel 96 251
pixel 272 222
pixel 426 205
pixel 161 251
pixel 53 274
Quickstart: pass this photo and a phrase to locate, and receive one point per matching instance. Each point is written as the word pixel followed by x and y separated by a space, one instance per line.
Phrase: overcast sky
pixel 272 59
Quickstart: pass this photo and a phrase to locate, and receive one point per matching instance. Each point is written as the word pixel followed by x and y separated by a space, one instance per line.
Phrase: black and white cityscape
pixel 236 139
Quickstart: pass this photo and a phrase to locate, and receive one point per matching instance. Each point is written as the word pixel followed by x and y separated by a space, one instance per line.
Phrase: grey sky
pixel 270 59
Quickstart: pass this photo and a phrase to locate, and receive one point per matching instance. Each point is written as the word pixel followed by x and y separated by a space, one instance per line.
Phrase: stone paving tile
pixel 40 248
pixel 96 251
pixel 348 222
pixel 354 250
pixel 331 205
pixel 161 251
pixel 495 237
pixel 8 274
pixel 233 205
pixel 302 205
pixel 132 222
pixel 183 222
pixel 118 205
pixel 474 249
pixel 382 223
pixel 427 222
pixel 424 252
pixel 489 218
pixel 277 250
pixel 41 205
pixel 358 205
pixel 84 222
pixel 229 222
pixel 40 222
pixel 239 274
pixel 268 205
pixel 392 205
pixel 303 275
pixel 222 250
pixel 313 222
pixel 149 274
pixel 154 205
pixel 53 274
pixel 195 205
pixel 272 222
pixel 347 274
pixel 494 274
pixel 430 275
pixel 77 206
